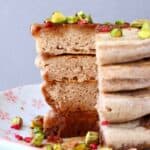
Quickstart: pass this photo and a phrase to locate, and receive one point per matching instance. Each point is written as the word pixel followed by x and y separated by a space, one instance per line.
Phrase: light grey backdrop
pixel 17 50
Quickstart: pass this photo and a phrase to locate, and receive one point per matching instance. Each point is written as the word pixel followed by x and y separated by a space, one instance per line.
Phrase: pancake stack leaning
pixel 66 58
pixel 123 103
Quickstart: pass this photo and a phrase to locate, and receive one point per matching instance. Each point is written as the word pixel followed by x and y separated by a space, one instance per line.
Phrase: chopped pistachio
pixel 81 146
pixel 48 147
pixel 91 137
pixel 146 26
pixel 57 147
pixel 116 32
pixel 37 130
pixel 37 122
pixel 119 22
pixel 139 23
pixel 88 18
pixel 72 19
pixel 81 14
pixel 58 17
pixel 144 34
pixel 38 139
pixel 17 121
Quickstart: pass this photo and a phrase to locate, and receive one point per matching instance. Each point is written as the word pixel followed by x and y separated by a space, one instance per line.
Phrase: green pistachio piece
pixel 17 121
pixel 81 146
pixel 81 14
pixel 116 33
pixel 38 139
pixel 72 19
pixel 146 26
pixel 37 122
pixel 91 137
pixel 48 147
pixel 57 147
pixel 37 130
pixel 144 34
pixel 119 22
pixel 58 17
pixel 88 18
pixel 139 23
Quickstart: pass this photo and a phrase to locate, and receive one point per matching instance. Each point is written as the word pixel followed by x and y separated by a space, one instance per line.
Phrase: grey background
pixel 17 50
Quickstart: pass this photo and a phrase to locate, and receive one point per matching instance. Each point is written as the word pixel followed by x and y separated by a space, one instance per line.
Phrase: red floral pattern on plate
pixel 4 115
pixel 37 103
pixel 10 96
pixel 25 102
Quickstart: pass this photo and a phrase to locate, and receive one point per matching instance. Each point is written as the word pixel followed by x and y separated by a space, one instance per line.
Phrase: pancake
pixel 77 68
pixel 64 38
pixel 71 96
pixel 70 124
pixel 127 48
pixel 124 106
pixel 128 135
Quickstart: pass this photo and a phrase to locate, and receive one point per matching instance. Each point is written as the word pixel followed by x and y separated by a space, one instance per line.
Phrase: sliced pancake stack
pixel 124 89
pixel 66 57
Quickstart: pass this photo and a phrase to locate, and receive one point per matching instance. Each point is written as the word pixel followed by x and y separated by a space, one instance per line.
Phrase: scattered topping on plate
pixel 90 142
pixel 116 32
pixel 17 123
pixel 93 146
pixel 38 140
pixel 48 147
pixel 81 146
pixel 27 139
pixel 91 138
pixel 37 122
pixel 57 147
pixel 18 137
pixel 21 138
pixel 36 130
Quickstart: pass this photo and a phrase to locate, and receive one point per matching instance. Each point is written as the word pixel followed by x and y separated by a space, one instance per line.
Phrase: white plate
pixel 26 102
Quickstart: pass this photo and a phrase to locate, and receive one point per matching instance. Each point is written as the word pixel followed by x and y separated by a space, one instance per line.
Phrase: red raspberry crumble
pixel 93 146
pixel 17 126
pixel 104 123
pixel 28 139
pixel 18 137
pixel 104 28
pixel 48 24
pixel 81 22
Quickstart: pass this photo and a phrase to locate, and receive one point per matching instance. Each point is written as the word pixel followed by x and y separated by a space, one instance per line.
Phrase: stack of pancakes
pixel 124 89
pixel 66 58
